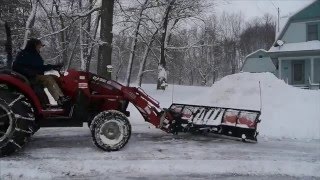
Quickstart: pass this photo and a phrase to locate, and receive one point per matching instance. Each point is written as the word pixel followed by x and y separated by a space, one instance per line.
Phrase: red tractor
pixel 103 103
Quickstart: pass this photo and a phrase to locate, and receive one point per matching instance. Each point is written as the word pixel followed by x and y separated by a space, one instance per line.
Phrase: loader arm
pixel 148 107
pixel 239 123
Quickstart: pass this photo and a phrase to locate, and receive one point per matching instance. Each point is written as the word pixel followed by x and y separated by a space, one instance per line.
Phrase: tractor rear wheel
pixel 111 130
pixel 17 122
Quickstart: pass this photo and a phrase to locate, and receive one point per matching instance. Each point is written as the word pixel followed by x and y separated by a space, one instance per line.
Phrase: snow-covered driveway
pixel 152 154
pixel 288 147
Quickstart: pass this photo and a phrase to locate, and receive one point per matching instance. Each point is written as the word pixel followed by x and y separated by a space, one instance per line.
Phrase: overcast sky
pixel 252 8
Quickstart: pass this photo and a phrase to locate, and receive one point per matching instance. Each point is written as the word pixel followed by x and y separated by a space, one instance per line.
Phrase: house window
pixel 312 32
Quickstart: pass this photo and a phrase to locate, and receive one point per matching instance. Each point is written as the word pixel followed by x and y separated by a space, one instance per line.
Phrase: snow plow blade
pixel 238 123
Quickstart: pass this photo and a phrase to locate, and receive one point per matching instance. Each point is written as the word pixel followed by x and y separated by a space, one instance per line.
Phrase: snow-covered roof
pixel 258 61
pixel 253 53
pixel 301 46
pixel 285 21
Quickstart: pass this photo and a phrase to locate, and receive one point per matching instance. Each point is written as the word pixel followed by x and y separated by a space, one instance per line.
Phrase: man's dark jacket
pixel 29 63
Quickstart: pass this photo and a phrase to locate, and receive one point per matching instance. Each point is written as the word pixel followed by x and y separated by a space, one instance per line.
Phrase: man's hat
pixel 32 43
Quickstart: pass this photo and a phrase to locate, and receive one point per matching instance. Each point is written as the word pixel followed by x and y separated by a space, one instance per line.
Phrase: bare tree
pixel 231 26
pixel 106 35
pixel 134 42
pixel 63 42
pixel 30 22
pixel 81 40
pixel 143 62
pixel 149 36
pixel 16 14
pixel 162 72
pixel 175 11
pixel 259 33
pixel 92 44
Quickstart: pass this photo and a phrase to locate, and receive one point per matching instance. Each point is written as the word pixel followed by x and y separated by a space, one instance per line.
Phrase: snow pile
pixel 287 112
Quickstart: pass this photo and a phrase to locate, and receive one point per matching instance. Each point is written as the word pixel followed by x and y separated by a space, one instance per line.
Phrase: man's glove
pixel 57 67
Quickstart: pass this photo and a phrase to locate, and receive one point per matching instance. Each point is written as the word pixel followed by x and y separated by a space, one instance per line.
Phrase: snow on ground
pixel 287 112
pixel 68 153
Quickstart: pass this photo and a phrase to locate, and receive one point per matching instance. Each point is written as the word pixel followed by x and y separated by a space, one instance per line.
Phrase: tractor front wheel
pixel 111 130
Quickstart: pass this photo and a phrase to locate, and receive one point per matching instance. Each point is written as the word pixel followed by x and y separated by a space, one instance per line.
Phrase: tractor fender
pixel 24 88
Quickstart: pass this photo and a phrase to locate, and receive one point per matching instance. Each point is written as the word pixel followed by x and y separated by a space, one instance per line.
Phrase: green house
pixel 296 51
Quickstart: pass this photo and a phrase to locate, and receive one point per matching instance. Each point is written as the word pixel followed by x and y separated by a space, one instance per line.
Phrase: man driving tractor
pixel 99 102
pixel 30 64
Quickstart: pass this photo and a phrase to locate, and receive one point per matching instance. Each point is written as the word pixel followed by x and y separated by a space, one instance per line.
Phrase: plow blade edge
pixel 237 123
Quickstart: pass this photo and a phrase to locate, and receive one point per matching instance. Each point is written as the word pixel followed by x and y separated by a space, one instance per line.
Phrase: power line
pixel 274 5
pixel 278 11
pixel 257 5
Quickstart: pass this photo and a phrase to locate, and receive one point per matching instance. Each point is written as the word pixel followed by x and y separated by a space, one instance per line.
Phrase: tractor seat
pixel 15 74
pixel 38 88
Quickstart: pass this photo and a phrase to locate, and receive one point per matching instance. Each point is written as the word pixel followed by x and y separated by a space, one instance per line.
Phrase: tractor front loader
pixel 103 105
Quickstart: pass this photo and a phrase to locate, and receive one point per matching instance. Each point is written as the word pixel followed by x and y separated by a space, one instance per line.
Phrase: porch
pixel 301 72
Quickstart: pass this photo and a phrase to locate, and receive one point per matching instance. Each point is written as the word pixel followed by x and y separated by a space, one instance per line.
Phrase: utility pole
pixel 278 10
pixel 278 19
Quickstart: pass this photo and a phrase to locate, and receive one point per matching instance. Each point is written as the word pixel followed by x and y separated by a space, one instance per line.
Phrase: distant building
pixel 296 51
pixel 259 61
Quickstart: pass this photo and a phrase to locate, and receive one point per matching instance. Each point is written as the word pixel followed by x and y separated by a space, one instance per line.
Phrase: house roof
pixel 302 14
pixel 257 52
pixel 301 46
pixel 292 17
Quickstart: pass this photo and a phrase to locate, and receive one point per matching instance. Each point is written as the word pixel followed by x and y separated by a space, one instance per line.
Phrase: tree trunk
pixel 105 49
pixel 91 49
pixel 143 65
pixel 30 22
pixel 62 34
pixel 88 29
pixel 162 69
pixel 72 53
pixel 192 78
pixel 8 46
pixel 144 59
pixel 134 44
pixel 82 62
pixel 234 60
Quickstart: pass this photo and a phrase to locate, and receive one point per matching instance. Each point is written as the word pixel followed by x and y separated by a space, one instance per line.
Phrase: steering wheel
pixel 60 69
pixel 56 71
